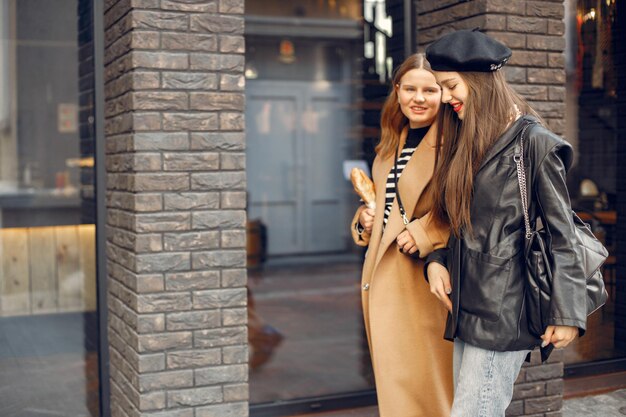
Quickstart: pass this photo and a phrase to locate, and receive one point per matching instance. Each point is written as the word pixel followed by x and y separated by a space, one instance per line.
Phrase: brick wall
pixel 539 388
pixel 534 30
pixel 176 207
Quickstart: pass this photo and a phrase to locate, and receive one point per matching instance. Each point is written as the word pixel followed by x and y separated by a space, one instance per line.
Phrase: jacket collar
pixel 505 140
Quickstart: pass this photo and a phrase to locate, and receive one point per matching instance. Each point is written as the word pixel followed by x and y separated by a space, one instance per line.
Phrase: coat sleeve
pixel 428 234
pixel 568 302
pixel 362 239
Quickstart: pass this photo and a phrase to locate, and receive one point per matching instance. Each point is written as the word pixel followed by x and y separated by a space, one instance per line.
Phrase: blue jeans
pixel 483 380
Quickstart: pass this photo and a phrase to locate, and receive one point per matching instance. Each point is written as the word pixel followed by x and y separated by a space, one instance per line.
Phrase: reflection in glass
pixel 325 9
pixel 601 340
pixel 305 322
pixel 593 182
pixel 316 308
pixel 48 306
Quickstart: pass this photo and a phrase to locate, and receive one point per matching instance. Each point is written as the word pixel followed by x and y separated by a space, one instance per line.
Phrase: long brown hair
pixel 392 120
pixel 489 109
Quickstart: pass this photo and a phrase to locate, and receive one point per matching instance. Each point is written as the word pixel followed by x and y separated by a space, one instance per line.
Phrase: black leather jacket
pixel 487 268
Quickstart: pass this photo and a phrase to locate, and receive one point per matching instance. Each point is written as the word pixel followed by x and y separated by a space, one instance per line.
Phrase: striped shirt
pixel 413 139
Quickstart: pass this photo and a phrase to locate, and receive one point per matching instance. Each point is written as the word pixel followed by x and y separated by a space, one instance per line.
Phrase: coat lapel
pixel 414 179
pixel 380 182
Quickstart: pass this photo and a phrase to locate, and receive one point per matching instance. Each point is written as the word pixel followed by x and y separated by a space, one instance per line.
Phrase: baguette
pixel 364 187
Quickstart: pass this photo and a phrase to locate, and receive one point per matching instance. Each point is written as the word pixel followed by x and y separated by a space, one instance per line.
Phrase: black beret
pixel 467 50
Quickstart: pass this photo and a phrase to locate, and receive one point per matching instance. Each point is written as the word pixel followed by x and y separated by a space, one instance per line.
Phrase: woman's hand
pixel 559 336
pixel 439 280
pixel 366 219
pixel 406 243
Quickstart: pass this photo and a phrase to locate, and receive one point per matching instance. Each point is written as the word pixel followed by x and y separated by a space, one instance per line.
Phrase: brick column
pixel 534 30
pixel 176 207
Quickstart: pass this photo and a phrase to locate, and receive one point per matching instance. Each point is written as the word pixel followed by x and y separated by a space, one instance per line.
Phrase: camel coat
pixel 404 321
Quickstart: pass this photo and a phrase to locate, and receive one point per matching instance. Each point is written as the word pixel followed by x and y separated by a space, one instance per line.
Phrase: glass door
pixel 48 304
pixel 316 77
pixel 306 334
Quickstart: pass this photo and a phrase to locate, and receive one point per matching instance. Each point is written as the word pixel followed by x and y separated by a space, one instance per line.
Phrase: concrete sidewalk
pixel 604 405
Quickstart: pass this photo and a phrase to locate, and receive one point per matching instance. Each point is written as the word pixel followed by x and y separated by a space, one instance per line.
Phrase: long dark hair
pixel 392 120
pixel 489 109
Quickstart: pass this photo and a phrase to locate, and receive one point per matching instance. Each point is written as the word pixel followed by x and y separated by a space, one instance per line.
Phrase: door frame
pixel 101 215
pixel 355 399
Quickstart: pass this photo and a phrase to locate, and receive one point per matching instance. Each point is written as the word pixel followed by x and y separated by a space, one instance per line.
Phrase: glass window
pixel 302 128
pixel 325 9
pixel 306 297
pixel 48 307
pixel 592 89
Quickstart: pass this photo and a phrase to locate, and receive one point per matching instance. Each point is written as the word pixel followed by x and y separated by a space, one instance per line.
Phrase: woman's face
pixel 419 97
pixel 454 91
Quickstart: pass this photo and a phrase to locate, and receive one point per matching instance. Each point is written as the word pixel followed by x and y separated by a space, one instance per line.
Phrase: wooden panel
pixel 59 275
pixel 43 269
pixel 87 240
pixel 71 278
pixel 14 283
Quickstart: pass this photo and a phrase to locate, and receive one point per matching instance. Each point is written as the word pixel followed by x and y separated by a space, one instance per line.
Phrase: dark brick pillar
pixel 176 207
pixel 534 30
pixel 620 70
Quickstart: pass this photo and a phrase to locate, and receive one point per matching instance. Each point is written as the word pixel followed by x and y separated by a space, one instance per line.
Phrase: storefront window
pixel 593 180
pixel 596 58
pixel 302 129
pixel 324 9
pixel 48 326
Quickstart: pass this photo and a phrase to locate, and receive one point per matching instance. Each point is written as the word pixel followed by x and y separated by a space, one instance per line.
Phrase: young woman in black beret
pixel 480 276
pixel 404 322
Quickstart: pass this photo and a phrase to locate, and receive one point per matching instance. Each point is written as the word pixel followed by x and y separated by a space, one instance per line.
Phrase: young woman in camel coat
pixel 404 322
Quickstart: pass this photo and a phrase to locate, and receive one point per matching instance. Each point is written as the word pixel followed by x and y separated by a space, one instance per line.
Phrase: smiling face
pixel 419 97
pixel 454 91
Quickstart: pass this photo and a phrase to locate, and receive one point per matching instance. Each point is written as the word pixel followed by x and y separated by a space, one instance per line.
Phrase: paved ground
pixel 605 405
